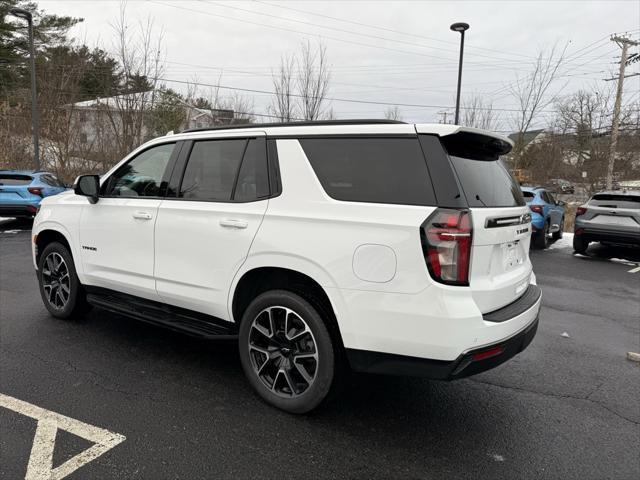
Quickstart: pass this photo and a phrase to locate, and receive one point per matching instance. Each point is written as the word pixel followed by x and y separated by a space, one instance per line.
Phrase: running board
pixel 158 313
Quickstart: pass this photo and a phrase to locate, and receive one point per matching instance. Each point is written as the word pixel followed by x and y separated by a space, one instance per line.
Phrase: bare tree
pixel 583 119
pixel 531 94
pixel 313 80
pixel 283 105
pixel 139 53
pixel 393 113
pixel 241 106
pixel 479 114
pixel 302 95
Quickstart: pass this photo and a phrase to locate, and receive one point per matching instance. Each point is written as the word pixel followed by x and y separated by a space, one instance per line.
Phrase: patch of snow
pixel 497 458
pixel 565 242
pixel 623 261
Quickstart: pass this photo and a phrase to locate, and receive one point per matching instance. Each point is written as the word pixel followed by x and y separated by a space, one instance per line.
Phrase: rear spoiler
pixel 469 142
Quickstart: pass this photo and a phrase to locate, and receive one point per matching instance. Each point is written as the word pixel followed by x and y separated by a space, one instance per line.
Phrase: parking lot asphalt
pixel 567 407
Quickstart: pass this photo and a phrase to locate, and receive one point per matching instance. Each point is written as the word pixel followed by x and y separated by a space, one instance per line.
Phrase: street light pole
pixel 26 15
pixel 459 27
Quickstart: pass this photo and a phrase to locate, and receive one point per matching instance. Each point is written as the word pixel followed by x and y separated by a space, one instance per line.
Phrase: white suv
pixel 382 247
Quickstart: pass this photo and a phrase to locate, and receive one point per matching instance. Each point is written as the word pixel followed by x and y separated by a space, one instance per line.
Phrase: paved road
pixel 564 408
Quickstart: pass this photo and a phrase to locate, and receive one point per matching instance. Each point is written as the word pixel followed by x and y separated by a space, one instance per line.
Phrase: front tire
pixel 60 288
pixel 286 351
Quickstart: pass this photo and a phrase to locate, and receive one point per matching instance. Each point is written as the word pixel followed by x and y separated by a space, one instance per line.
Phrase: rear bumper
pixel 609 235
pixel 524 312
pixel 24 210
pixel 469 363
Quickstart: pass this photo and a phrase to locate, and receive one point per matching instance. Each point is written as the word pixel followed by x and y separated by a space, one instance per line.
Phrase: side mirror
pixel 88 186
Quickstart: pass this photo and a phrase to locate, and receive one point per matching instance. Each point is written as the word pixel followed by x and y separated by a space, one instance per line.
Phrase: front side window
pixel 376 170
pixel 142 176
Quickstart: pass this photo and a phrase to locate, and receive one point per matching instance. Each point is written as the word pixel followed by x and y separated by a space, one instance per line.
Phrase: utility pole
pixel 623 43
pixel 26 15
pixel 444 114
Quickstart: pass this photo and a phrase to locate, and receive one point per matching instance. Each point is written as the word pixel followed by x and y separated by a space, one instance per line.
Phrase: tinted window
pixel 12 179
pixel 51 180
pixel 528 195
pixel 545 197
pixel 212 169
pixel 142 176
pixel 377 170
pixel 551 198
pixel 615 201
pixel 253 181
pixel 487 183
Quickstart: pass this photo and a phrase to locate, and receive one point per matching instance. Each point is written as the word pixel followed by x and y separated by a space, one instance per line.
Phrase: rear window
pixel 487 183
pixel 13 179
pixel 615 201
pixel 376 170
pixel 528 195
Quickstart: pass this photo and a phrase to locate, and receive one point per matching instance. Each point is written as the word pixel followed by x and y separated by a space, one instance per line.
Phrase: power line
pixel 334 99
pixel 303 33
pixel 350 32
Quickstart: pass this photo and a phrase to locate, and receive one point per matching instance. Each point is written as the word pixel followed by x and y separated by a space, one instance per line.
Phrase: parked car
pixel 608 217
pixel 547 216
pixel 378 246
pixel 22 191
pixel 558 185
pixel 601 184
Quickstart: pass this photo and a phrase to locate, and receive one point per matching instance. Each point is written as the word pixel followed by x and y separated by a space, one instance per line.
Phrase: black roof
pixel 297 124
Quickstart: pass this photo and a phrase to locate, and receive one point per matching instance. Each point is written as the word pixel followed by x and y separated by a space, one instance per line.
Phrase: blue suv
pixel 547 215
pixel 21 191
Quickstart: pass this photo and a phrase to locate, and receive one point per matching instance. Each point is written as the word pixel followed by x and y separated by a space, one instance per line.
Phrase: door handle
pixel 142 215
pixel 230 223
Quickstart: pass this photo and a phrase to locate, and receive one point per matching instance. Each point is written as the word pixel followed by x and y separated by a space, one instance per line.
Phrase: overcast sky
pixel 395 52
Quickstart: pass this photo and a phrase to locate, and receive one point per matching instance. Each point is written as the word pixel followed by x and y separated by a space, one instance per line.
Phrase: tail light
pixel 35 190
pixel 446 242
pixel 536 208
pixel 580 211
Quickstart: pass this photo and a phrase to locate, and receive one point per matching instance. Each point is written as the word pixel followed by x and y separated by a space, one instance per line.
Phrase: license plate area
pixel 512 256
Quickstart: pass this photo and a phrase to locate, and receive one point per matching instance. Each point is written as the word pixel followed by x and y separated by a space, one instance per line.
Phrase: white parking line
pixel 634 270
pixel 40 465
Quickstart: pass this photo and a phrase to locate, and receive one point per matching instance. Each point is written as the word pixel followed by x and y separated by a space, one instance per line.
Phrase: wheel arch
pixel 47 235
pixel 260 279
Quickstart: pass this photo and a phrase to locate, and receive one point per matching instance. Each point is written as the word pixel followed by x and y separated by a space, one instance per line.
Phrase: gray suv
pixel 608 217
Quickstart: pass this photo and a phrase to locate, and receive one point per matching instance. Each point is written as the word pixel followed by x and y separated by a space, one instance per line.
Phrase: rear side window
pixel 253 179
pixel 51 180
pixel 528 195
pixel 487 183
pixel 376 170
pixel 615 201
pixel 212 169
pixel 13 179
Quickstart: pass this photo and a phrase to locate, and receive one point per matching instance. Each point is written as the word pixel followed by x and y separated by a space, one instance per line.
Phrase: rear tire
pixel 60 288
pixel 540 239
pixel 286 351
pixel 580 245
pixel 558 235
